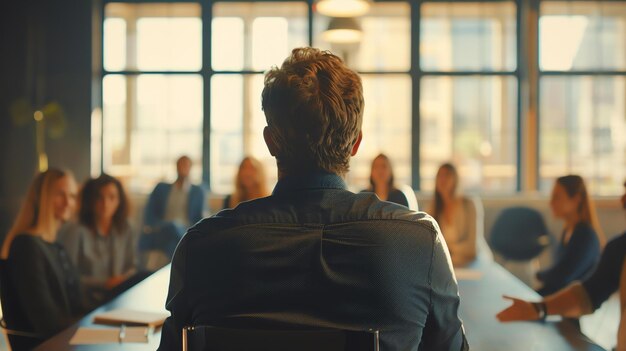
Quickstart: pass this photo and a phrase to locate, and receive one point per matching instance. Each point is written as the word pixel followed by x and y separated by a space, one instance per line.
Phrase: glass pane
pixel 386 41
pixel 582 128
pixel 227 112
pixel 472 122
pixel 114 44
pixel 152 36
pixel 149 121
pixel 468 36
pixel 115 143
pixel 169 44
pixel 585 35
pixel 386 128
pixel 256 36
pixel 227 44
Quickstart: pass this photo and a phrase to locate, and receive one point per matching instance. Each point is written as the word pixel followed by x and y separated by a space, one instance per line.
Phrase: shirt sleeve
pixel 176 303
pixel 581 254
pixel 605 279
pixel 444 329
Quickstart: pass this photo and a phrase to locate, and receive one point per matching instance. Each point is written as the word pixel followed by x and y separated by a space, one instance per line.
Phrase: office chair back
pixel 208 338
pixel 519 234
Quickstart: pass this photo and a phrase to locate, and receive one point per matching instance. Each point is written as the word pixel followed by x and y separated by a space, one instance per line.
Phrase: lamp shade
pixel 342 8
pixel 343 30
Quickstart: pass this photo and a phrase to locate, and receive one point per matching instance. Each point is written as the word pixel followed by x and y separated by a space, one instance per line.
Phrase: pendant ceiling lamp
pixel 343 30
pixel 342 8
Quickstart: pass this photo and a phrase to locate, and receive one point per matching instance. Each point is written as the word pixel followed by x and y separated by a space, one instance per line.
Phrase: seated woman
pixel 38 277
pixel 250 183
pixel 583 298
pixel 382 181
pixel 579 248
pixel 103 244
pixel 456 216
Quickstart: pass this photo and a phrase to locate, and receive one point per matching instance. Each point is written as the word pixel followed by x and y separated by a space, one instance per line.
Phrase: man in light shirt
pixel 170 209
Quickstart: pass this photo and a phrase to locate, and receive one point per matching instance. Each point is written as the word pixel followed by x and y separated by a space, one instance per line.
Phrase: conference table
pixel 481 286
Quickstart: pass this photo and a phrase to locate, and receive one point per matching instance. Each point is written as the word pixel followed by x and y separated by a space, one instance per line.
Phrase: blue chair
pixel 209 338
pixel 519 234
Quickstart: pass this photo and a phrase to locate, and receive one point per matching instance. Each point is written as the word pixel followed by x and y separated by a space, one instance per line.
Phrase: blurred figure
pixel 581 298
pixel 180 202
pixel 456 216
pixel 578 251
pixel 250 183
pixel 170 210
pixel 103 245
pixel 40 286
pixel 382 181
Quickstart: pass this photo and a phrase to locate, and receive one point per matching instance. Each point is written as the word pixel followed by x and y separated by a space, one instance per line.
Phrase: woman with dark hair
pixel 40 286
pixel 456 216
pixel 582 297
pixel 581 240
pixel 103 244
pixel 382 181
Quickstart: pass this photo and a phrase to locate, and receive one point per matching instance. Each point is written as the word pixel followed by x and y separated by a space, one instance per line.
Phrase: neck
pixel 43 232
pixel 571 221
pixel 104 225
pixel 179 182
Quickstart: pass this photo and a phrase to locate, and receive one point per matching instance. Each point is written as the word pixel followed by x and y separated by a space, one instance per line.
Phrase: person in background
pixel 37 272
pixel 456 216
pixel 181 202
pixel 382 181
pixel 250 183
pixel 169 211
pixel 581 298
pixel 579 248
pixel 103 244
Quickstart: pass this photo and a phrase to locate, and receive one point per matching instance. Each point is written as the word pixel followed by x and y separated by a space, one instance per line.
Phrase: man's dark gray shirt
pixel 316 254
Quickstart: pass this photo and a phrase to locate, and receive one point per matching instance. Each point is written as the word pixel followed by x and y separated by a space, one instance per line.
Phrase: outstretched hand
pixel 520 310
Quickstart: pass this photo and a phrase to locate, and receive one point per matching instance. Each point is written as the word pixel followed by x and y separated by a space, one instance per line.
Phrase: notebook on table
pixel 131 317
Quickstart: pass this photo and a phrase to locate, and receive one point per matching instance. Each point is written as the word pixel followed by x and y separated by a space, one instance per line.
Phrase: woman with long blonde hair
pixel 581 240
pixel 250 183
pixel 43 284
pixel 456 215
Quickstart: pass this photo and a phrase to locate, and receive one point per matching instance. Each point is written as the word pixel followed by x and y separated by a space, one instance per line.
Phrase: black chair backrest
pixel 207 338
pixel 13 318
pixel 519 234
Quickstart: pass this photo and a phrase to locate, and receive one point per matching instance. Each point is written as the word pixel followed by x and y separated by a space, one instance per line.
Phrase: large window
pixel 247 40
pixel 444 81
pixel 384 65
pixel 152 91
pixel 468 93
pixel 583 93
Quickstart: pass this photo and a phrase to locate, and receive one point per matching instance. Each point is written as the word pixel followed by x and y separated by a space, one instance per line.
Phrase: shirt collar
pixel 319 180
pixel 185 186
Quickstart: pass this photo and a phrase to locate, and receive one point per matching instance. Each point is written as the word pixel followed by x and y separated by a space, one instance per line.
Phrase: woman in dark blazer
pixel 40 287
pixel 382 182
